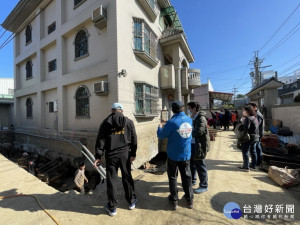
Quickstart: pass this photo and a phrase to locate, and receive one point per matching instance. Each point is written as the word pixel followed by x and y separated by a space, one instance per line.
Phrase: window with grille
pixel 146 99
pixel 51 27
pixel 29 69
pixel 28 34
pixel 144 38
pixel 29 108
pixel 82 102
pixel 52 65
pixel 81 44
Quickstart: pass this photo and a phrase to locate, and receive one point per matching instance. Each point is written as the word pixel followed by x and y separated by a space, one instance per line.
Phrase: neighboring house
pixel 288 92
pixel 206 95
pixel 74 59
pixel 265 95
pixel 6 102
pixel 290 79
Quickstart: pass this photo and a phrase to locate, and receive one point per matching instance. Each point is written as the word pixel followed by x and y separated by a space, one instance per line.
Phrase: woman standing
pixel 252 127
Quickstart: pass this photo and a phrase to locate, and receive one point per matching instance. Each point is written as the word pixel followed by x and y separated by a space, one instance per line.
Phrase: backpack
pixel 242 134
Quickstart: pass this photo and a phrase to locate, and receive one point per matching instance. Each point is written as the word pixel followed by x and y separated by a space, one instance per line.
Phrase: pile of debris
pixel 56 173
pixel 281 152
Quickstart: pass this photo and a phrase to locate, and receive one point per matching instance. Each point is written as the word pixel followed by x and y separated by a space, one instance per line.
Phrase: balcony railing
pixel 288 88
pixel 194 78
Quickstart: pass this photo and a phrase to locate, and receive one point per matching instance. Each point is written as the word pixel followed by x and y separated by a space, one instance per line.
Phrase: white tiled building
pixel 74 58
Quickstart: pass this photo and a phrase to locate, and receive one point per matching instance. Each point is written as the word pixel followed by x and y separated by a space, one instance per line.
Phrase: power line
pixel 4 44
pixel 290 67
pixel 280 27
pixel 283 40
pixel 287 61
pixel 14 19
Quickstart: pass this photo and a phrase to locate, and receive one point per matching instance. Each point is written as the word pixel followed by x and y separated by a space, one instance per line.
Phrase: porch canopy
pixel 220 96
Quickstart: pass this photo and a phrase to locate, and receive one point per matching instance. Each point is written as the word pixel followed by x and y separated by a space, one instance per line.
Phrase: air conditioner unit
pixel 101 88
pixel 99 17
pixel 167 77
pixel 55 106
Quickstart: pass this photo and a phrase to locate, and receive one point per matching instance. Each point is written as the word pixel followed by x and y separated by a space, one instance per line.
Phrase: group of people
pixel 252 123
pixel 188 144
pixel 223 119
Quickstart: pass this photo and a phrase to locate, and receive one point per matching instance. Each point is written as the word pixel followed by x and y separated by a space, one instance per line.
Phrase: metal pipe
pixel 90 158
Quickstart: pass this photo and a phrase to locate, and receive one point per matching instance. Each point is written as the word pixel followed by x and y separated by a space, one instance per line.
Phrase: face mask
pixel 189 112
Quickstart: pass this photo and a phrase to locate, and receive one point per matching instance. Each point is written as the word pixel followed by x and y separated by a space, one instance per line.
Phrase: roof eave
pixel 19 14
pixel 183 44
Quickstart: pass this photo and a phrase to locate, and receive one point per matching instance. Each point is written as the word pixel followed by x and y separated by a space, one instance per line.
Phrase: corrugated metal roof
pixel 5 84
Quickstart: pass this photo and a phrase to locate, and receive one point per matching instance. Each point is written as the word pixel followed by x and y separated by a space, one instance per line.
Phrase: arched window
pixel 29 108
pixel 29 69
pixel 81 44
pixel 28 34
pixel 82 102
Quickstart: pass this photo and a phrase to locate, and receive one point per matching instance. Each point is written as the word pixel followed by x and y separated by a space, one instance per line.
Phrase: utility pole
pixel 256 61
pixel 235 90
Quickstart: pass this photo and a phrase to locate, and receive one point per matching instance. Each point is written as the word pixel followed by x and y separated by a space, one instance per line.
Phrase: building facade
pixel 74 59
pixel 6 102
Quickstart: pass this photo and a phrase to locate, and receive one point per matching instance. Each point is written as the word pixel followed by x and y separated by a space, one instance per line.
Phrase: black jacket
pixel 251 124
pixel 201 135
pixel 116 134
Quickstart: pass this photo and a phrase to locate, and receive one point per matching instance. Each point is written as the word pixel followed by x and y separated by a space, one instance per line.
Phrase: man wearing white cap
pixel 117 137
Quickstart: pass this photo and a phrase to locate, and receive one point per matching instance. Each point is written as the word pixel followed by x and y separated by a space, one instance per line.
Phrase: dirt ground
pixel 226 184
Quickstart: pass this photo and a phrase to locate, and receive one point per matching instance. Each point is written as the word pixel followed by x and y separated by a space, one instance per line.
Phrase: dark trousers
pixel 198 166
pixel 246 147
pixel 258 153
pixel 186 179
pixel 121 161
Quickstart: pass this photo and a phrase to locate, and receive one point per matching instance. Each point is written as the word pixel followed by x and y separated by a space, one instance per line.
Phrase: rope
pixel 33 196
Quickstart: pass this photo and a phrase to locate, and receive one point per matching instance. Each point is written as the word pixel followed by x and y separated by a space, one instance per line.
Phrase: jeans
pixel 121 161
pixel 258 153
pixel 246 147
pixel 198 166
pixel 186 179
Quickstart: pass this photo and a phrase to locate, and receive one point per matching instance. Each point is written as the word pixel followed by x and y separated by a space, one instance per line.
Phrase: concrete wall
pixel 270 99
pixel 49 54
pixel 51 121
pixel 25 83
pixel 289 114
pixel 138 71
pixel 201 95
pixel 4 115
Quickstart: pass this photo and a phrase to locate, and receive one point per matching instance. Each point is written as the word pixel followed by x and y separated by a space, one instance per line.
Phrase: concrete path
pixel 226 184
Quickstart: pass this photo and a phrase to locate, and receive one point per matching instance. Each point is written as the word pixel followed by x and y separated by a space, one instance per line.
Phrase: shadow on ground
pixel 147 193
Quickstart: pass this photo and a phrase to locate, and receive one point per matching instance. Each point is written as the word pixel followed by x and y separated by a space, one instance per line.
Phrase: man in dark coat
pixel 117 137
pixel 200 146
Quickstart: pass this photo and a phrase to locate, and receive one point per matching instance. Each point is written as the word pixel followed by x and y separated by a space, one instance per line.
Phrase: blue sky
pixel 223 35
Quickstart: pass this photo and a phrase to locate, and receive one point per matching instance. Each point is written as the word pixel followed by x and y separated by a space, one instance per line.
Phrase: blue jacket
pixel 178 130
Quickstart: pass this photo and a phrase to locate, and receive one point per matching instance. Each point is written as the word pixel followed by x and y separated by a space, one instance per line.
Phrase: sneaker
pixel 110 212
pixel 190 204
pixel 200 190
pixel 132 206
pixel 243 169
pixel 194 183
pixel 252 169
pixel 173 204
